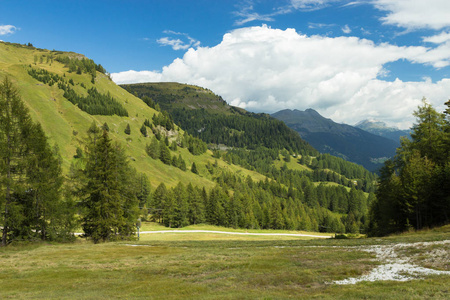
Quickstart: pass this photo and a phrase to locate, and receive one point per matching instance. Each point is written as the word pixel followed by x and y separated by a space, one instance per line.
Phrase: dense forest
pixel 414 190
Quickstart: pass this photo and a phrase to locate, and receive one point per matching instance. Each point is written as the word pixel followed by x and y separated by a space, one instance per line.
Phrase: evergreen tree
pixel 143 190
pixel 158 202
pixel 105 126
pixel 109 201
pixel 181 163
pixel 144 130
pixel 153 148
pixel 30 176
pixel 194 168
pixel 164 153
pixel 127 129
pixel 413 189
pixel 196 213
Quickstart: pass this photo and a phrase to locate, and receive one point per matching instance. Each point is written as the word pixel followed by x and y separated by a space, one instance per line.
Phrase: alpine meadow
pixel 158 189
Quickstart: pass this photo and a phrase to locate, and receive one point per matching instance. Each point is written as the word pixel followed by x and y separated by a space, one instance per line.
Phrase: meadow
pixel 213 266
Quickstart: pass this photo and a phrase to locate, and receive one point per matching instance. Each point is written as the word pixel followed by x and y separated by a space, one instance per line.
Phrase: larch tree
pixel 30 176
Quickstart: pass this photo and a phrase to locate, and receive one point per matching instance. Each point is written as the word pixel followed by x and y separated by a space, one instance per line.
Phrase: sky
pixel 349 60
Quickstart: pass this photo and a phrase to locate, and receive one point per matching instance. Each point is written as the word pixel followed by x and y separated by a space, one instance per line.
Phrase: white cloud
pixel 415 14
pixel 265 69
pixel 438 39
pixel 346 29
pixel 7 29
pixel 310 5
pixel 178 44
pixel 136 76
pixel 246 13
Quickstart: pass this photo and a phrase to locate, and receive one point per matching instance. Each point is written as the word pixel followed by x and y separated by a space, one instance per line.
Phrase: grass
pixel 215 268
pixel 66 125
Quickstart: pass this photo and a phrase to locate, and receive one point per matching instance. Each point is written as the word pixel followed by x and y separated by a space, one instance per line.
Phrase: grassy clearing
pixel 152 226
pixel 208 269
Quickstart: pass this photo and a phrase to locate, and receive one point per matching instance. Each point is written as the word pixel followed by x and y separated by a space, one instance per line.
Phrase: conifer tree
pixel 127 129
pixel 164 153
pixel 30 176
pixel 109 201
pixel 144 130
pixel 153 148
pixel 105 126
pixel 194 168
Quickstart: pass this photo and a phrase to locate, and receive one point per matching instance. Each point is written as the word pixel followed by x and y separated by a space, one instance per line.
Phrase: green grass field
pixel 198 266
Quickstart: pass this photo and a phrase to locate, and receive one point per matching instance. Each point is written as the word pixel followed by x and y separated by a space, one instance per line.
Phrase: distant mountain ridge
pixel 351 143
pixel 381 129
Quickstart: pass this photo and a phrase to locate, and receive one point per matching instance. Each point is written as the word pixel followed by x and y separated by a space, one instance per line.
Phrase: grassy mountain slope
pixel 342 140
pixel 66 125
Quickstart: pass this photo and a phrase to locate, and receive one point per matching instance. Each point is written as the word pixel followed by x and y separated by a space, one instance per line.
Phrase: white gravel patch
pixel 396 268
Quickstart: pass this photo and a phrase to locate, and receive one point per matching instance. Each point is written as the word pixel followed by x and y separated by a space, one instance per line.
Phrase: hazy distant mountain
pixel 381 129
pixel 351 143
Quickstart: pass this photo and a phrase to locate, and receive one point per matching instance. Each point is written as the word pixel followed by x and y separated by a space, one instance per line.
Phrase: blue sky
pixel 350 60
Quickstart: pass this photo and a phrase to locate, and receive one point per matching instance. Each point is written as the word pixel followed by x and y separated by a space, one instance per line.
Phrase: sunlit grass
pixel 204 266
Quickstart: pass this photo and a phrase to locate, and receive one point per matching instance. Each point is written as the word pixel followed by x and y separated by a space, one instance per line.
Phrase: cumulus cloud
pixel 264 70
pixel 7 29
pixel 136 77
pixel 415 14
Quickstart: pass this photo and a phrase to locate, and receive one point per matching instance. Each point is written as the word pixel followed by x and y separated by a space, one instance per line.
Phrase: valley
pixel 229 203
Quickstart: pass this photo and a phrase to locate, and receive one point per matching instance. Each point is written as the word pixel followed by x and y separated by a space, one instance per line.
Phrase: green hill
pixel 66 124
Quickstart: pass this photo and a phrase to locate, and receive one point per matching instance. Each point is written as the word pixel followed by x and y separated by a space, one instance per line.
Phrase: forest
pixel 413 190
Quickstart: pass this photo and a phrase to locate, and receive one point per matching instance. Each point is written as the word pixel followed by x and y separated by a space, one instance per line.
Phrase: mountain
pixel 207 116
pixel 351 143
pixel 381 129
pixel 257 172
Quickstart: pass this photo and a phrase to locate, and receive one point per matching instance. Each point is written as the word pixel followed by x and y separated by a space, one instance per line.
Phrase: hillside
pixel 207 116
pixel 66 124
pixel 341 140
pixel 381 129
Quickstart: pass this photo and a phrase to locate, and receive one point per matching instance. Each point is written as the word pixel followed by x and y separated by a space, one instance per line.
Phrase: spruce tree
pixel 194 168
pixel 109 201
pixel 144 130
pixel 127 129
